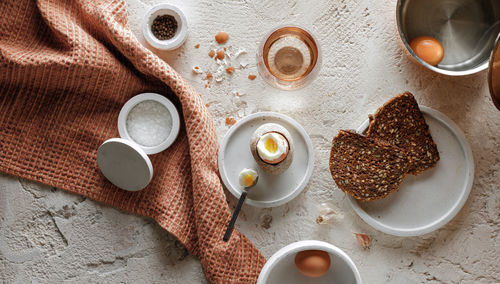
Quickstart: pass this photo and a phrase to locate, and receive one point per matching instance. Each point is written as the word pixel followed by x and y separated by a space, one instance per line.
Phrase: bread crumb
pixel 230 121
pixel 211 53
pixel 209 76
pixel 220 54
pixel 230 69
pixel 197 45
pixel 221 37
pixel 252 77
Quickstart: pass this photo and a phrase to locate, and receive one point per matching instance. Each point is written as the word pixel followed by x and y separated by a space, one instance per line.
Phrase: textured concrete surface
pixel 49 236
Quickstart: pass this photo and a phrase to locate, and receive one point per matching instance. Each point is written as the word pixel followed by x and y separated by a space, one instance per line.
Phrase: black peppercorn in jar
pixel 164 27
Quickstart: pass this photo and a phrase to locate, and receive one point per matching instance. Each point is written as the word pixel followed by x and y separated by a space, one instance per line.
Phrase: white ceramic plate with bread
pixel 271 190
pixel 428 201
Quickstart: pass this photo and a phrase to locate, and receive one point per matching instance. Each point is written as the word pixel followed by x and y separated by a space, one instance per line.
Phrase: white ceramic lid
pixel 124 164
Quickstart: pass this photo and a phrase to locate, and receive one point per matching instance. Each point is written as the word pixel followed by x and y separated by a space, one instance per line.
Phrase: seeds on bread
pixel 401 123
pixel 365 168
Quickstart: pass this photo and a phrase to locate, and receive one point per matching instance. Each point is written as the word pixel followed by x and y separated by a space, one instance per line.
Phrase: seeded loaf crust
pixel 401 123
pixel 365 168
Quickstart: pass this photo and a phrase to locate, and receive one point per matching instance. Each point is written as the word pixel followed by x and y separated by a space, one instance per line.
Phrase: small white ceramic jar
pixel 124 161
pixel 182 27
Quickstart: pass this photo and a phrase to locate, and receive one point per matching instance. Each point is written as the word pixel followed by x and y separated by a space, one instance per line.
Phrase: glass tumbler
pixel 289 57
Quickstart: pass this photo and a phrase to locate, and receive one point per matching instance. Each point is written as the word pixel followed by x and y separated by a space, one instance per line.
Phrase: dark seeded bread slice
pixel 365 168
pixel 401 123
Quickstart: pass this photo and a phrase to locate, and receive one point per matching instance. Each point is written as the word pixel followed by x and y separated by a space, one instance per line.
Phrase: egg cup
pixel 274 168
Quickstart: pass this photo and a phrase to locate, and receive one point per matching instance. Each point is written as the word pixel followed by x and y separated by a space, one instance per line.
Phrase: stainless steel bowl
pixel 466 28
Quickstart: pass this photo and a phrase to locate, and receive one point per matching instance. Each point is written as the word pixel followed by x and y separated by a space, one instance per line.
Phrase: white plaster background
pixel 50 236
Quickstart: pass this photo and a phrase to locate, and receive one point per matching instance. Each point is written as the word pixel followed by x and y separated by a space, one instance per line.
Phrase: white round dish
pixel 280 268
pixel 130 104
pixel 428 201
pixel 182 27
pixel 271 190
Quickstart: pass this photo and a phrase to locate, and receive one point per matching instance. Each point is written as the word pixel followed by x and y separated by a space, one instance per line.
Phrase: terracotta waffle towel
pixel 66 69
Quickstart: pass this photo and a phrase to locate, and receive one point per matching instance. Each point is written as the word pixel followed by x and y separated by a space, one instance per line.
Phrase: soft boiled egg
pixel 248 177
pixel 428 49
pixel 272 147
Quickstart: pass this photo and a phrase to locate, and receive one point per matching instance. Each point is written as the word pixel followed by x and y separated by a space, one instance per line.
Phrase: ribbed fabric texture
pixel 66 69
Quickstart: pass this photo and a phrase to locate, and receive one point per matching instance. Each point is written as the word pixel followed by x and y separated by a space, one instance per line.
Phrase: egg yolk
pixel 248 180
pixel 271 145
pixel 428 49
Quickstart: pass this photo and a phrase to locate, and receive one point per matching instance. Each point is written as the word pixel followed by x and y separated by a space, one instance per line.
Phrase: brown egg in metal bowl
pixel 466 30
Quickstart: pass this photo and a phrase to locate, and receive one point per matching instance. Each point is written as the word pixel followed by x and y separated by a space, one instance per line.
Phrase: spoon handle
pixel 230 227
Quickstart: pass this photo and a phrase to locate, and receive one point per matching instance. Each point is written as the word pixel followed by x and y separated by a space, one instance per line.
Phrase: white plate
pixel 270 191
pixel 428 201
pixel 280 268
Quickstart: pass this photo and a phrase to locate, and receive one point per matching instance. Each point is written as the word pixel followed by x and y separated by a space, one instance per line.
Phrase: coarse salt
pixel 149 123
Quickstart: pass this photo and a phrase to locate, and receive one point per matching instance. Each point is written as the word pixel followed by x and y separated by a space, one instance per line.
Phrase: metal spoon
pixel 237 210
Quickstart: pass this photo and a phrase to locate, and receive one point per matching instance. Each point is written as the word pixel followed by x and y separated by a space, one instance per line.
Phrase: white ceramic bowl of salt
pixel 150 120
pixel 148 124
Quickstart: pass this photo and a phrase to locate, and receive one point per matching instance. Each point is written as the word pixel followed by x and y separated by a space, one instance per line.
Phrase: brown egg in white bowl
pixel 309 261
pixel 272 148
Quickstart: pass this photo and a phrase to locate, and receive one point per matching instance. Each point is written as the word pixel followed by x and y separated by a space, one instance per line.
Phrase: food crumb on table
pixel 230 121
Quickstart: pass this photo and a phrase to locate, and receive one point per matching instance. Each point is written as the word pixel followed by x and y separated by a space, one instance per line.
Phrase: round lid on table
pixel 124 164
pixel 494 74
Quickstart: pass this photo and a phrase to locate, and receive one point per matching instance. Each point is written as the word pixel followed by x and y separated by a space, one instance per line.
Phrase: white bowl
pixel 280 268
pixel 182 27
pixel 129 105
